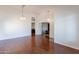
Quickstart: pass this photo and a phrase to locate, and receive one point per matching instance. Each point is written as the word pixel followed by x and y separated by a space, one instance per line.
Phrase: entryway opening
pixel 45 29
pixel 33 29
pixel 33 26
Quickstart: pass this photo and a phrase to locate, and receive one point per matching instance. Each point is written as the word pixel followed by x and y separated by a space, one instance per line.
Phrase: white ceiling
pixel 34 8
pixel 27 8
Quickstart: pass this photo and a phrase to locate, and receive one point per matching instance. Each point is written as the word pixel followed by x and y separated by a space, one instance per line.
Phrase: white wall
pixel 14 27
pixel 66 26
pixel 11 26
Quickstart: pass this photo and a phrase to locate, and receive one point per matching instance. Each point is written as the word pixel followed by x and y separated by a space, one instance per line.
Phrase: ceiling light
pixel 22 13
pixel 48 19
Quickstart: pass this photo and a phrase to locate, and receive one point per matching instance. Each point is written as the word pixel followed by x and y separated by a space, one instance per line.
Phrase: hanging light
pixel 48 19
pixel 22 13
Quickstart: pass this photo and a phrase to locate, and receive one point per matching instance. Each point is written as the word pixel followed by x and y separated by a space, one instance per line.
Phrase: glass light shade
pixel 48 19
pixel 22 18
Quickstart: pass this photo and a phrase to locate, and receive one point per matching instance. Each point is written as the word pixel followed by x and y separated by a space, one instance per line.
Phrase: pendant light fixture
pixel 48 16
pixel 22 13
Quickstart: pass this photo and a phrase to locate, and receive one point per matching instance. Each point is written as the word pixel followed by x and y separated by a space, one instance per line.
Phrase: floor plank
pixel 33 45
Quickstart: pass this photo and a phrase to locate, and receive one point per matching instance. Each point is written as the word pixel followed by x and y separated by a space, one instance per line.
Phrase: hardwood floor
pixel 33 45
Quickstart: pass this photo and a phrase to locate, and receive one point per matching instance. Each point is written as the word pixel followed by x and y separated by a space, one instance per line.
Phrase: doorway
pixel 33 26
pixel 33 29
pixel 45 29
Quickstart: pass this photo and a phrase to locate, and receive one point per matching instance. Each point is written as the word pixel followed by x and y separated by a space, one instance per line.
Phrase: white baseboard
pixel 14 36
pixel 67 45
